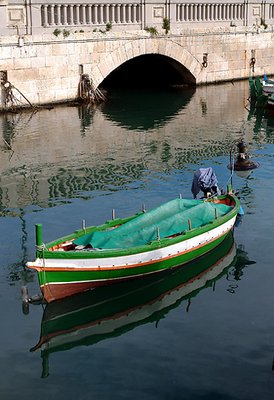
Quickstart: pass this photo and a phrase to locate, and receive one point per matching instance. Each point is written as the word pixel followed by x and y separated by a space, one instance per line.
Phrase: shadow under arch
pixel 149 70
pixel 175 54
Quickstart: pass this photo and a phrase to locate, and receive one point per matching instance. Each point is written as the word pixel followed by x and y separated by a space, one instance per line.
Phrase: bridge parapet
pixel 23 17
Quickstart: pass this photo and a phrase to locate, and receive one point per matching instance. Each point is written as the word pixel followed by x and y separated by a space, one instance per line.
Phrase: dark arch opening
pixel 150 71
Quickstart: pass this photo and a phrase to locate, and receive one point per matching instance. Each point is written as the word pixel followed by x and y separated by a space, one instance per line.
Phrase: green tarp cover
pixel 168 219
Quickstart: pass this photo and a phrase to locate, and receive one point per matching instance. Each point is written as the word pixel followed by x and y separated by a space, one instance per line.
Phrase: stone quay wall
pixel 45 48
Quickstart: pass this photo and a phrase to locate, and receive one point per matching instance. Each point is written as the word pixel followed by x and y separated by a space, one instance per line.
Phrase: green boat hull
pixel 59 284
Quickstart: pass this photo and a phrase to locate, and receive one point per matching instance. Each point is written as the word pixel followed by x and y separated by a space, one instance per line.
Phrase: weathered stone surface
pixel 49 71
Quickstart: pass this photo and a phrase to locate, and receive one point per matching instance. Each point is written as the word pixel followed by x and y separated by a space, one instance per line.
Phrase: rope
pixel 11 98
pixel 42 247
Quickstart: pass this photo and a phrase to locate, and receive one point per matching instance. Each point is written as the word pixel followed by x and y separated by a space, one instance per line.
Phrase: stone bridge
pixel 47 47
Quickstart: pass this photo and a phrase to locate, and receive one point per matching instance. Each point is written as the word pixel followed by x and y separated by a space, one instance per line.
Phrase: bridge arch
pixel 126 51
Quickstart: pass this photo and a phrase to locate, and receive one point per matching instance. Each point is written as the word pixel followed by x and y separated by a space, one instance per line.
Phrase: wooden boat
pixel 168 236
pixel 107 312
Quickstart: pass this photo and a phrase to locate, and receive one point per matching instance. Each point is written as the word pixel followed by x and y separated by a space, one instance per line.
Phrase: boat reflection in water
pixel 110 311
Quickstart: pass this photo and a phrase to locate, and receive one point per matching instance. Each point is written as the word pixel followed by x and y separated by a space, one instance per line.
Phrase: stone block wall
pixel 48 46
pixel 45 70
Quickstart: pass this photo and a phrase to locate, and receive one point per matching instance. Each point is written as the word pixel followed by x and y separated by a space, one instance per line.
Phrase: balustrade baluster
pixel 63 14
pixel 112 13
pixel 45 15
pixel 178 12
pixel 123 18
pixel 83 19
pixel 203 12
pixel 107 13
pixel 77 14
pixel 101 14
pixel 51 21
pixel 58 14
pixel 95 14
pixel 68 14
pixel 134 16
pixel 118 13
pixel 89 20
pixel 194 12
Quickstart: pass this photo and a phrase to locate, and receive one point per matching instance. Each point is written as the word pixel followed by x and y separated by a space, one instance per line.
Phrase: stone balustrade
pixel 30 17
pixel 89 14
pixel 210 12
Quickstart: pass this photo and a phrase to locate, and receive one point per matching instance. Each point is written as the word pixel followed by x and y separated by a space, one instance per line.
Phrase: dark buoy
pixel 243 161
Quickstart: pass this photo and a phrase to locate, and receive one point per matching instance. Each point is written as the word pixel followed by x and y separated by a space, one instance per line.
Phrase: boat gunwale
pixel 44 252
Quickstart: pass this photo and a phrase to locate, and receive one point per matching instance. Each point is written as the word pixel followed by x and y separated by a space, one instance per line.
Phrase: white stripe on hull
pixel 146 257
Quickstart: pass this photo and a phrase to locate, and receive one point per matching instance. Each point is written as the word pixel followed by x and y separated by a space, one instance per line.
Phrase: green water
pixel 209 336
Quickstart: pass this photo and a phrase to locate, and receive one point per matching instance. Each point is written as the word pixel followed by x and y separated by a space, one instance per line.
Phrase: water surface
pixel 182 337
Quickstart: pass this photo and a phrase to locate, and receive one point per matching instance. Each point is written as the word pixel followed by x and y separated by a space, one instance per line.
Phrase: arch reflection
pixel 143 110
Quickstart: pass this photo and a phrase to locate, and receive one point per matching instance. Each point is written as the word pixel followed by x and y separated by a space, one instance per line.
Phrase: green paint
pixel 80 276
pixel 38 231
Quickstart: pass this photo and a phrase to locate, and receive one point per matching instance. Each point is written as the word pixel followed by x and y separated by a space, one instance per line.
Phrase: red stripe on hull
pixel 58 291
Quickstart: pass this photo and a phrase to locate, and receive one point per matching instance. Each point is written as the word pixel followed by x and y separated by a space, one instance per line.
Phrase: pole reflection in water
pixel 111 311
